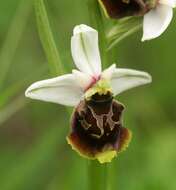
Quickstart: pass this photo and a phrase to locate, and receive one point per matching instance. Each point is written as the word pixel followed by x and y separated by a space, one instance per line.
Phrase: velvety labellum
pixel 97 127
pixel 123 8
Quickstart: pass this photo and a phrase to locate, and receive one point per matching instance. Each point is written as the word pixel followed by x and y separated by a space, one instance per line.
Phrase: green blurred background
pixel 34 154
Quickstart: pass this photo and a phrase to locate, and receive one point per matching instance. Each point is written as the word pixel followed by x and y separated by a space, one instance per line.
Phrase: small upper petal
pixel 171 3
pixel 83 80
pixel 85 50
pixel 63 90
pixel 124 79
pixel 156 21
pixel 107 73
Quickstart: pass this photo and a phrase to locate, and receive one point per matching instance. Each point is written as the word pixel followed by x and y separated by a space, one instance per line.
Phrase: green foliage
pixel 47 39
pixel 121 29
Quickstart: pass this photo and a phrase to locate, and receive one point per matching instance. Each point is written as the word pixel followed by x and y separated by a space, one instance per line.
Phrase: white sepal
pixel 156 21
pixel 171 3
pixel 85 50
pixel 62 90
pixel 124 79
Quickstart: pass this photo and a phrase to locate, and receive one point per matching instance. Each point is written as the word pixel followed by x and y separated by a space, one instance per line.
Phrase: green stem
pixel 47 38
pixel 97 176
pixel 97 173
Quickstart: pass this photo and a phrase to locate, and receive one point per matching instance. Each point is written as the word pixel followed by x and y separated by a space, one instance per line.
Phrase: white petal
pixel 85 51
pixel 156 21
pixel 83 80
pixel 124 79
pixel 171 3
pixel 62 90
pixel 107 73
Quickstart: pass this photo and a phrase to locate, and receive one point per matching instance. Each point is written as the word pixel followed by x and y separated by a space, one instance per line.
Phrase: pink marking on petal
pixel 94 80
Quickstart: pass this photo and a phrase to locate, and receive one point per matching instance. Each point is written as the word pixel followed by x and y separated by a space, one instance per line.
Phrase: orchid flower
pixel 96 127
pixel 157 13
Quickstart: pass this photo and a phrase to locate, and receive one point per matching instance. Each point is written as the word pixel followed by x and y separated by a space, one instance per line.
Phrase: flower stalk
pixel 98 173
pixel 47 38
pixel 97 176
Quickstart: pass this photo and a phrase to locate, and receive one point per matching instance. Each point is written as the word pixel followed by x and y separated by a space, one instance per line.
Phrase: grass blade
pixel 47 38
